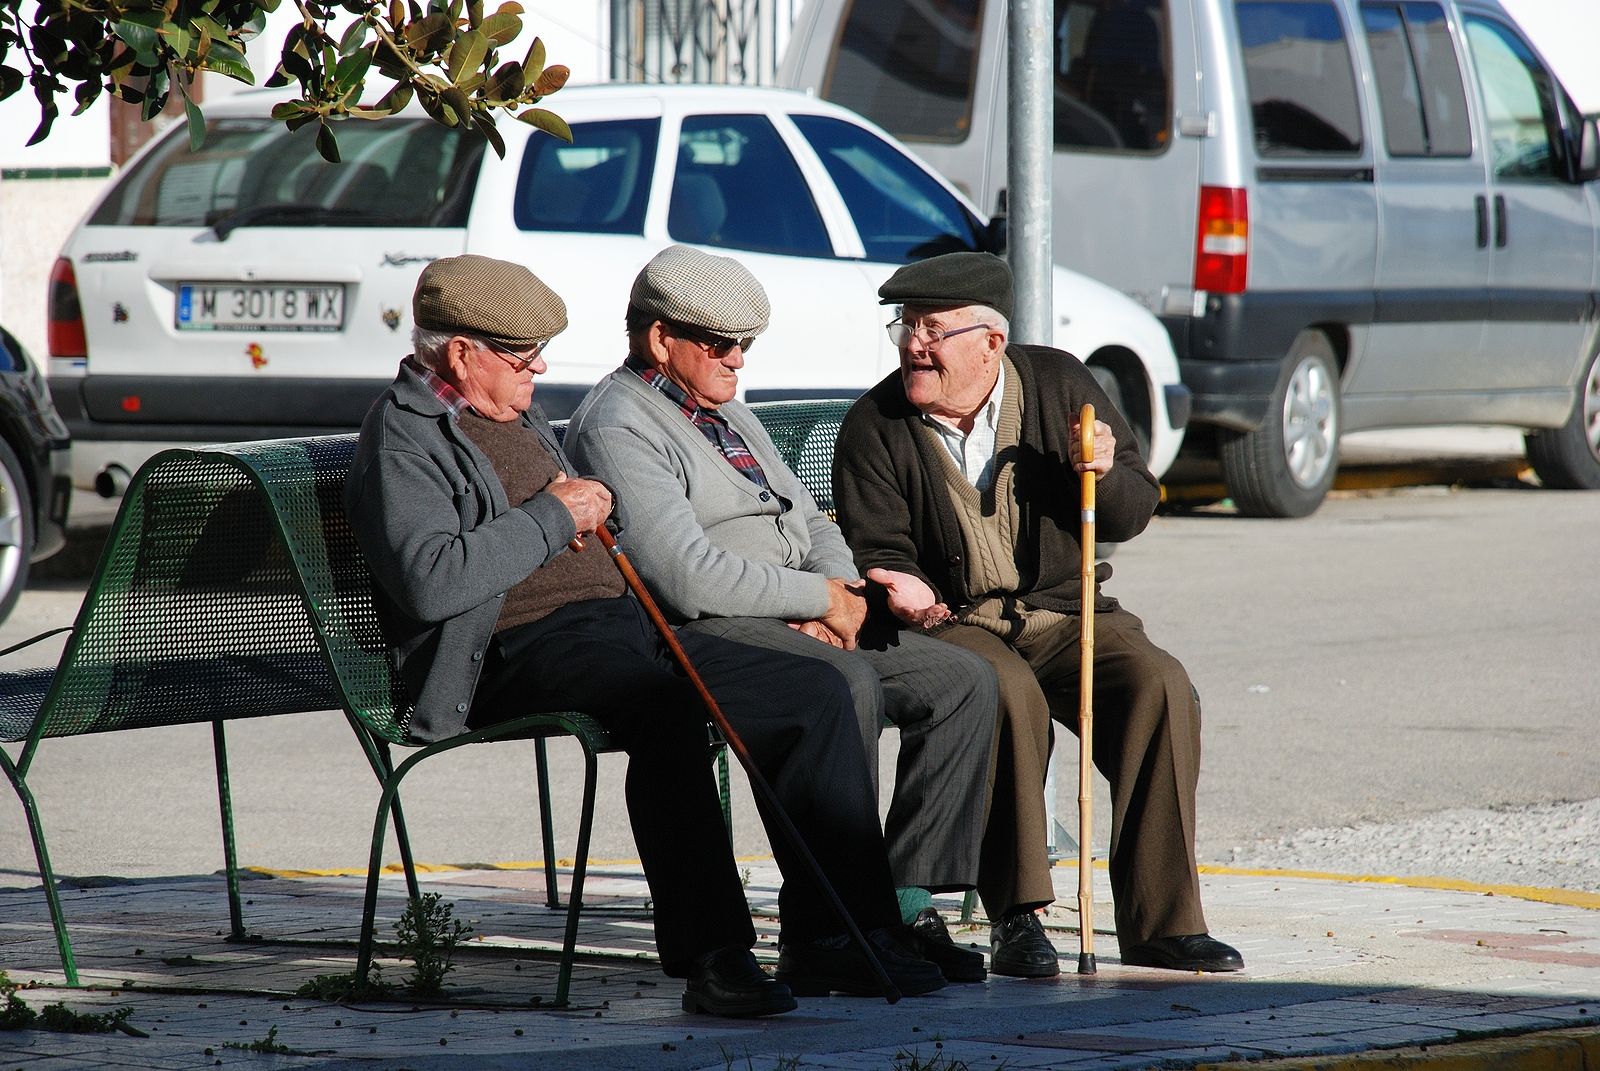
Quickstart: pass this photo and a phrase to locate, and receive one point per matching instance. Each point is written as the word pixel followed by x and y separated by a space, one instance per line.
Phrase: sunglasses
pixel 520 361
pixel 718 344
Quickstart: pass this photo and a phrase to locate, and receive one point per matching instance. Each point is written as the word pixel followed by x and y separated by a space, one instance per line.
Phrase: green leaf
pixel 397 98
pixel 456 100
pixel 533 64
pixel 197 124
pixel 429 35
pixel 352 70
pixel 138 36
pixel 505 83
pixel 466 55
pixel 548 121
pixel 327 145
pixel 485 124
pixel 287 109
pixel 354 37
pixel 501 27
pixel 229 61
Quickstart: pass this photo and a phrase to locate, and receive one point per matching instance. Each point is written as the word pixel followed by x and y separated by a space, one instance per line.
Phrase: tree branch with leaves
pixel 445 55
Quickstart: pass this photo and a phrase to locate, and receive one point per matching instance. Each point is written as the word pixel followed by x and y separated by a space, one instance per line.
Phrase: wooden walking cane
pixel 1086 709
pixel 758 782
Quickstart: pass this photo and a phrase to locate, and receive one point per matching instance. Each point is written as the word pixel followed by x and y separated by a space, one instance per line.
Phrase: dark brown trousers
pixel 1146 744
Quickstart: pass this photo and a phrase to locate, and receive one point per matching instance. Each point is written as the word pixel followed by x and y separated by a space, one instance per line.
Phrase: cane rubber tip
pixel 1086 963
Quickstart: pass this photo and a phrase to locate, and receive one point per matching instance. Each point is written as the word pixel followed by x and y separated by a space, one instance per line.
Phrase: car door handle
pixel 1482 204
pixel 1499 221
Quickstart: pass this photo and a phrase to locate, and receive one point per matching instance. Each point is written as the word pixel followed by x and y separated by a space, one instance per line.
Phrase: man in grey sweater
pixel 464 505
pixel 732 544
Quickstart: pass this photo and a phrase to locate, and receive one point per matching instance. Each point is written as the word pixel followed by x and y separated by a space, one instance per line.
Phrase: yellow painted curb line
pixel 1562 897
pixel 1577 1049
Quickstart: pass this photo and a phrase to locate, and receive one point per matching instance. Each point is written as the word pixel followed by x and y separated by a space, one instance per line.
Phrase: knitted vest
pixel 525 468
pixel 990 521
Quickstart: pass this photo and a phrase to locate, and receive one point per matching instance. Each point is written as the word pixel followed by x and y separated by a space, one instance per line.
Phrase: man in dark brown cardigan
pixel 957 479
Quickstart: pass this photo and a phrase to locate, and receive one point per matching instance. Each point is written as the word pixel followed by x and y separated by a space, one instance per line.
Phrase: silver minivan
pixel 1348 213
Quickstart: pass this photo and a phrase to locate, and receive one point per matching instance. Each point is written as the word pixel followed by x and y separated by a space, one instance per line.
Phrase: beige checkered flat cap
pixel 492 299
pixel 696 288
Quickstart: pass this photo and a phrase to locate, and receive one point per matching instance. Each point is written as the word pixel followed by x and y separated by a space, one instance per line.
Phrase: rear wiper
pixel 279 212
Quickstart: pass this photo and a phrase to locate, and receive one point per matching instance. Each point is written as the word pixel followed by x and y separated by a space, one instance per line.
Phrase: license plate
pixel 271 307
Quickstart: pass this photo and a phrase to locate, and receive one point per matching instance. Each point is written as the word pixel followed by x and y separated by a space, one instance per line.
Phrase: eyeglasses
pixel 901 334
pixel 716 343
pixel 518 361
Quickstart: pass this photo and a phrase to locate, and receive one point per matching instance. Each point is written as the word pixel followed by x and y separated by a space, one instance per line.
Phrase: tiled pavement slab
pixel 1333 968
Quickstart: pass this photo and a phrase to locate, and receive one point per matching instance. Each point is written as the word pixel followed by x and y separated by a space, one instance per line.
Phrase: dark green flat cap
pixel 951 279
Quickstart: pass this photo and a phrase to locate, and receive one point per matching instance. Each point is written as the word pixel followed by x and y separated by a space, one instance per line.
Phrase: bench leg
pixel 377 752
pixel 552 890
pixel 35 829
pixel 230 850
pixel 580 866
pixel 369 909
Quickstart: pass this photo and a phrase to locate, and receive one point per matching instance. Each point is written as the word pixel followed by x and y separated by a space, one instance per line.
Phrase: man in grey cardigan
pixel 462 502
pixel 732 544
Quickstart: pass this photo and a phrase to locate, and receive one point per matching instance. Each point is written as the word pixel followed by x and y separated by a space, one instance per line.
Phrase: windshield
pixel 395 172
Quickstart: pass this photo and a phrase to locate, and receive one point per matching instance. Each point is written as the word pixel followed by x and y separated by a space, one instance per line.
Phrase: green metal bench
pixel 231 587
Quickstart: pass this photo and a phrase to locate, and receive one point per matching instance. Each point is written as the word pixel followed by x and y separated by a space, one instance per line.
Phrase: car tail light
pixel 1222 241
pixel 64 331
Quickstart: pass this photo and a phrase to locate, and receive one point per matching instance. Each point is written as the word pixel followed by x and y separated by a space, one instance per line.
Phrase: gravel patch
pixel 1552 845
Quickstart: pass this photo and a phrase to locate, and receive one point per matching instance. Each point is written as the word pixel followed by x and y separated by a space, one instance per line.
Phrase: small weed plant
pixel 428 934
pixel 16 1015
pixel 269 1044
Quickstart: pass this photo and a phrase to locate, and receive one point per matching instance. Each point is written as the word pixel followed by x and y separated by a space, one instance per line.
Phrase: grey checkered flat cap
pixel 492 299
pixel 696 288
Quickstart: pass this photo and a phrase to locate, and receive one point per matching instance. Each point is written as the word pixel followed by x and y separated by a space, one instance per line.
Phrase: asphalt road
pixel 1398 655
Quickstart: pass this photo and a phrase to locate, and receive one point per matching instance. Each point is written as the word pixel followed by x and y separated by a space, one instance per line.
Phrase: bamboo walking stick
pixel 758 782
pixel 1086 963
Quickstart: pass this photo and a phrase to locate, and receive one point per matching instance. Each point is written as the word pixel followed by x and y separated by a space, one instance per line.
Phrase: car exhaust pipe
pixel 111 481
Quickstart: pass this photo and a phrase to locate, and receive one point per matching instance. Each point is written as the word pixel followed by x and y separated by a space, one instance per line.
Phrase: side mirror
pixel 1587 167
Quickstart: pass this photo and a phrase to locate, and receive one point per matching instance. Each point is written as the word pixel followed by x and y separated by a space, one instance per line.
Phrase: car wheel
pixel 1284 468
pixel 1568 457
pixel 16 530
pixel 1108 383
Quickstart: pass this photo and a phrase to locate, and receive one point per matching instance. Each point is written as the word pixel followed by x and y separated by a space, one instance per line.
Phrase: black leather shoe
pixel 729 982
pixel 933 942
pixel 1193 952
pixel 819 966
pixel 1018 947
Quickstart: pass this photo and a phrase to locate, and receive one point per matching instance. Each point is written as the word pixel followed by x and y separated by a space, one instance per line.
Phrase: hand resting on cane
pixel 589 501
pixel 1105 446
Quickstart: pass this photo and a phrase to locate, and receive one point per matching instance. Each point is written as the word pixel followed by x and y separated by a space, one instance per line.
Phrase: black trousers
pixel 604 658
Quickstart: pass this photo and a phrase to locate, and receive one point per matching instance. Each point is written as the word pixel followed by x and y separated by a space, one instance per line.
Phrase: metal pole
pixel 1029 140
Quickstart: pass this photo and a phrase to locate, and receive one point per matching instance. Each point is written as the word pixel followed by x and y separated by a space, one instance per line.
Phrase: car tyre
pixel 1568 457
pixel 1285 468
pixel 16 529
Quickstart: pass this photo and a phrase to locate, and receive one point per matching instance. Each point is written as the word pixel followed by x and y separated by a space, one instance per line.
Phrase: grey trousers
pixel 943 700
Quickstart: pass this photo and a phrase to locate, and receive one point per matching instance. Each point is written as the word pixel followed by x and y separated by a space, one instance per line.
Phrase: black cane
pixel 786 826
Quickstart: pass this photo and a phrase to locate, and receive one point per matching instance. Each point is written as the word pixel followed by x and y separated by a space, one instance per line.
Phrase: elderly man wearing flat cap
pixel 731 543
pixel 465 505
pixel 957 479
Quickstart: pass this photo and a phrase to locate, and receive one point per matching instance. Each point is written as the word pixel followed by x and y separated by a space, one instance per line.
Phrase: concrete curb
pixel 1577 1049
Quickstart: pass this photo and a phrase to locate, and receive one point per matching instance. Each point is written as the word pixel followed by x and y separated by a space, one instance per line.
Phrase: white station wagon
pixel 251 290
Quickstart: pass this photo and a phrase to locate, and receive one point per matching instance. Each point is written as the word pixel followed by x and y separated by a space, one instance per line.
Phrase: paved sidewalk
pixel 1335 968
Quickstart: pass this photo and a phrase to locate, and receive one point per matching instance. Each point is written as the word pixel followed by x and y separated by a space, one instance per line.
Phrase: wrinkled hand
pixel 1105 446
pixel 847 611
pixel 589 501
pixel 818 631
pixel 910 598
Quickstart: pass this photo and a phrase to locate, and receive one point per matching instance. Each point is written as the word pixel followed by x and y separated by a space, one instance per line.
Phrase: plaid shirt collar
pixel 448 396
pixel 712 424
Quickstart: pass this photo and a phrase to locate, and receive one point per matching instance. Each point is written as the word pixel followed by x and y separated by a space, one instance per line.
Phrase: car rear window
pixel 395 173
pixel 599 184
pixel 910 68
pixel 1302 82
pixel 1112 75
